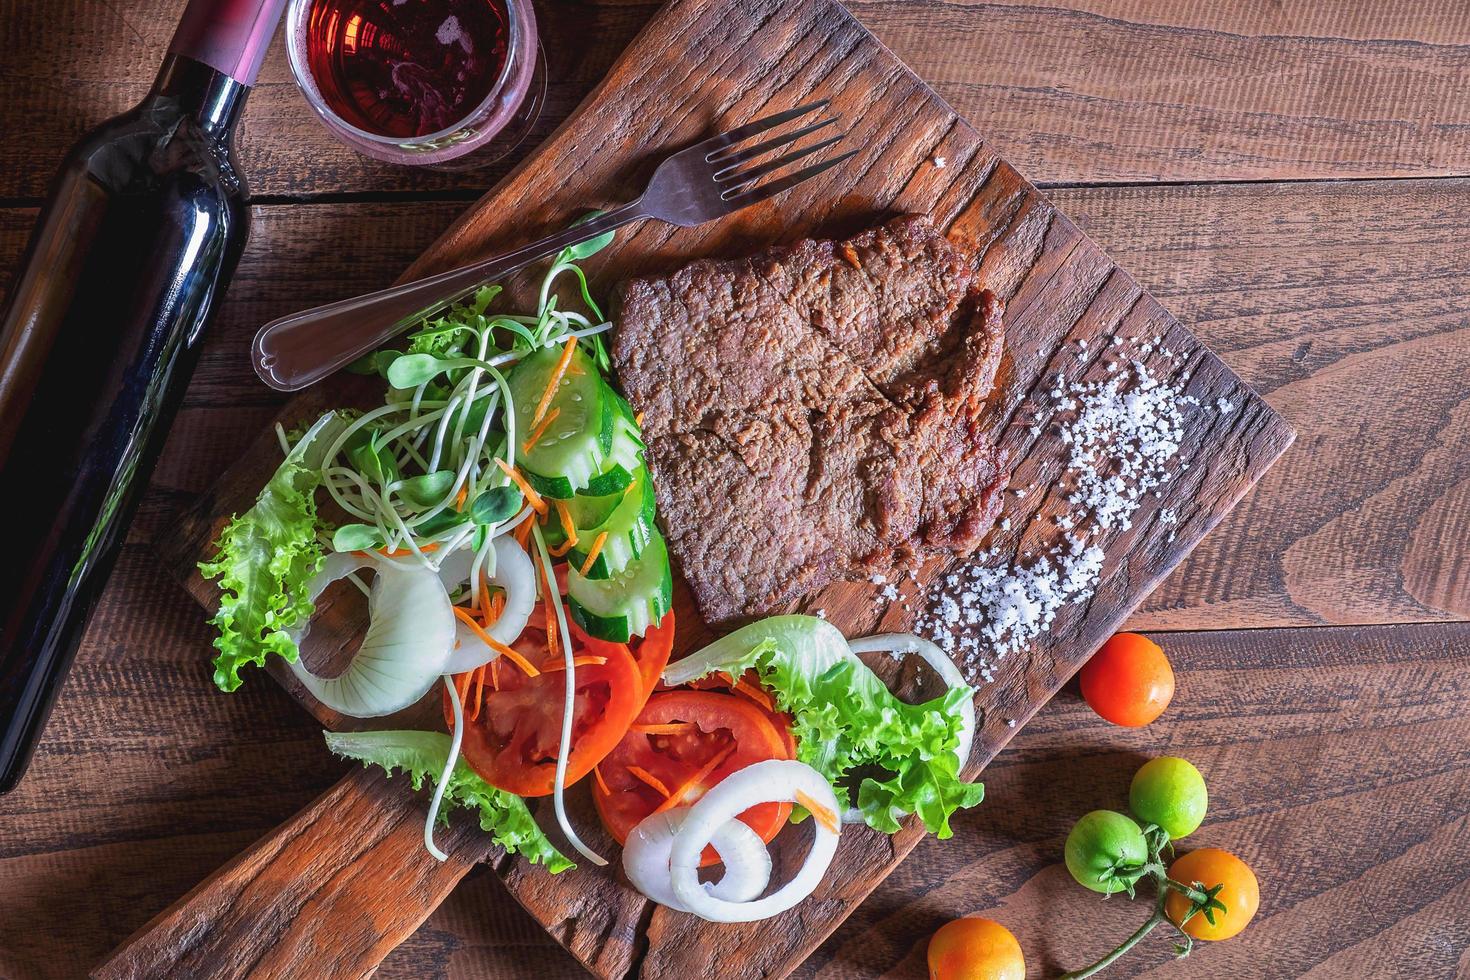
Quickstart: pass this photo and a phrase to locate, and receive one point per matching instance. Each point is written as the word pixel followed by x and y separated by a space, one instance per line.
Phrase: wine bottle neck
pixel 230 36
pixel 211 97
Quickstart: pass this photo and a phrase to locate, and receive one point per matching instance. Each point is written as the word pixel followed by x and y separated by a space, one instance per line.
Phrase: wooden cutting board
pixel 331 892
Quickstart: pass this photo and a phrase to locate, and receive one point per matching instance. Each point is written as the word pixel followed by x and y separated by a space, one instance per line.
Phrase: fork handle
pixel 301 349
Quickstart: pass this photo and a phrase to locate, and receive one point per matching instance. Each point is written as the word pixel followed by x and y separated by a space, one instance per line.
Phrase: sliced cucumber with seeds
pixel 628 603
pixel 575 445
pixel 628 526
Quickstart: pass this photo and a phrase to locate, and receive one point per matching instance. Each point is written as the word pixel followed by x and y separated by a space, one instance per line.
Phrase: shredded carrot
pixel 461 497
pixel 561 550
pixel 540 430
pixel 592 554
pixel 587 660
pixel 675 798
pixel 469 620
pixel 820 813
pixel 551 644
pixel 523 534
pixel 653 781
pixel 551 384
pixel 601 783
pixel 565 516
pixel 672 728
pixel 532 497
pixel 755 694
pixel 465 692
pixel 638 420
pixel 479 691
pixel 495 673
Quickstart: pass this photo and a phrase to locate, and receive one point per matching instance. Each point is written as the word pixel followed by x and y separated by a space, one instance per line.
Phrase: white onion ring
pixel 646 859
pixel 771 781
pixel 407 642
pixel 517 576
pixel 943 666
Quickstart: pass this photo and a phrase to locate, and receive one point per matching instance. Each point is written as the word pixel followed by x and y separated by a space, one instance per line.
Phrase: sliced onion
pixel 646 859
pixel 407 644
pixel 771 781
pixel 943 666
pixel 517 576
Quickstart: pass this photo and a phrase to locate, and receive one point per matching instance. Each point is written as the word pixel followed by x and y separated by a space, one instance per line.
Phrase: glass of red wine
pixel 447 84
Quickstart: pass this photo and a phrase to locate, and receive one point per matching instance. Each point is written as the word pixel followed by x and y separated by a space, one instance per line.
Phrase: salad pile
pixel 501 502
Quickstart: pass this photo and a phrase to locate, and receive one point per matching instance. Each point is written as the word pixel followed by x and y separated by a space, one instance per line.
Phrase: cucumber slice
pixel 628 526
pixel 575 445
pixel 627 604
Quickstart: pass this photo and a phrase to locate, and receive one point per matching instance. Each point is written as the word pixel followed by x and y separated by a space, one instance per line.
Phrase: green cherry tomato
pixel 1171 793
pixel 1106 851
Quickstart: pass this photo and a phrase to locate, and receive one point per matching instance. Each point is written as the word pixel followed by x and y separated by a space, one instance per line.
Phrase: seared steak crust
pixel 815 412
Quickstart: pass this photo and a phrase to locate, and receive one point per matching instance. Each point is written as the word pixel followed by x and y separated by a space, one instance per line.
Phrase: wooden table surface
pixel 1287 176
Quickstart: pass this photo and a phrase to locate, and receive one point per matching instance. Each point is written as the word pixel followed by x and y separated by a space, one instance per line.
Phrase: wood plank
pixel 1346 305
pixel 1078 91
pixel 1060 289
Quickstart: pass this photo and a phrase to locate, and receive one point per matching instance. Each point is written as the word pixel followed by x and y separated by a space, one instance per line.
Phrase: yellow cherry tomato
pixel 1206 868
pixel 975 949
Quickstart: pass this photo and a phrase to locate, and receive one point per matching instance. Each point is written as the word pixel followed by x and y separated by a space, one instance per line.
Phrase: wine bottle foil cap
pixel 230 36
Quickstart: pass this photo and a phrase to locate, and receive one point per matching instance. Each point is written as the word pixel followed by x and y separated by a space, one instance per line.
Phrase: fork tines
pixel 740 180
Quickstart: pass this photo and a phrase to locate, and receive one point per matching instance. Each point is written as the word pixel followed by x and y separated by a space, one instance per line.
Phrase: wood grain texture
pixel 1059 288
pixel 319 896
pixel 1074 91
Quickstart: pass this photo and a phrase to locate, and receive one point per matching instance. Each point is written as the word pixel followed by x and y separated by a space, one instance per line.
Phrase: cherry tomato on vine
pixel 1206 868
pixel 1170 792
pixel 1106 851
pixel 975 949
pixel 1129 681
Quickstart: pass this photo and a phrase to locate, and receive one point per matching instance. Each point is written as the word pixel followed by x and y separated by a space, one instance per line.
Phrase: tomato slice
pixel 682 744
pixel 652 654
pixel 749 687
pixel 513 733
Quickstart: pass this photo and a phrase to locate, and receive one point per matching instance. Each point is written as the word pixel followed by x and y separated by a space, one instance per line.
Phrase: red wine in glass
pixel 405 68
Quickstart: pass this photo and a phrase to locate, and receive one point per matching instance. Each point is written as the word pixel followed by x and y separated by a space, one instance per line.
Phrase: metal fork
pixel 706 181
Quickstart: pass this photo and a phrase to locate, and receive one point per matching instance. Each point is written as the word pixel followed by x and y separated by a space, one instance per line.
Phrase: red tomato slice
pixel 750 688
pixel 651 653
pixel 682 744
pixel 511 739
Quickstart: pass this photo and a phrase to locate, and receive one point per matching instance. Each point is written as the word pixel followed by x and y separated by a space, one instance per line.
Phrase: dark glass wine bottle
pixel 139 237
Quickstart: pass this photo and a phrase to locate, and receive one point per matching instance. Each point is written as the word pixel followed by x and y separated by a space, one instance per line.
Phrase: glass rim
pixel 515 73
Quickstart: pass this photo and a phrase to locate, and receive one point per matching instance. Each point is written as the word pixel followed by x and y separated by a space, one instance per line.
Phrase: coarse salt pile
pixel 1122 433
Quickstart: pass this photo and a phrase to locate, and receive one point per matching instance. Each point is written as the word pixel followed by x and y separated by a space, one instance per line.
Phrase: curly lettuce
pixel 265 559
pixel 422 755
pixel 845 719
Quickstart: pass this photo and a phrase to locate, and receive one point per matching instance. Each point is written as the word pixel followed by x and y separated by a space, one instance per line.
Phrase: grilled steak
pixel 814 412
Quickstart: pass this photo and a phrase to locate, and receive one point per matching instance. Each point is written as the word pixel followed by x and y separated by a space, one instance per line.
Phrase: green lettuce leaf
pixel 422 756
pixel 265 558
pixel 846 719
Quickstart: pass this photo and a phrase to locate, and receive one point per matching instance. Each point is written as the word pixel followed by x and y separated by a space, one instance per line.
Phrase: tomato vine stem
pixel 1200 901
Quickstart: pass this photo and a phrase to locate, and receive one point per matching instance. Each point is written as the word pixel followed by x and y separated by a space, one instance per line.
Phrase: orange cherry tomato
pixel 975 949
pixel 1206 868
pixel 1129 681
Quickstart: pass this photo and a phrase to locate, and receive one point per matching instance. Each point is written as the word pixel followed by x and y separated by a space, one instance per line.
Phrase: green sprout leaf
pixel 495 505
